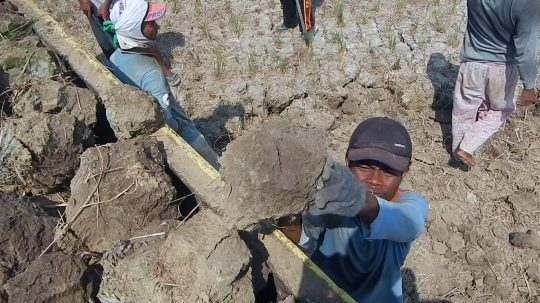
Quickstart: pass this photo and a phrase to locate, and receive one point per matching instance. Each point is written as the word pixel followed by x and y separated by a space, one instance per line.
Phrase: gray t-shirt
pixel 503 31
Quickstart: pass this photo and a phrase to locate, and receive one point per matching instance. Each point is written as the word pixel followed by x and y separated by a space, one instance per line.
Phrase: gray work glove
pixel 342 194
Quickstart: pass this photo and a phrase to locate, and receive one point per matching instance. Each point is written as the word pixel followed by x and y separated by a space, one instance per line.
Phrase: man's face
pixel 379 179
pixel 150 29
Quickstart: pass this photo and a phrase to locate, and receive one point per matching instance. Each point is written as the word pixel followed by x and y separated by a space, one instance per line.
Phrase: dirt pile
pixel 198 262
pixel 52 278
pixel 118 190
pixel 26 231
pixel 41 151
pixel 272 171
pixel 132 112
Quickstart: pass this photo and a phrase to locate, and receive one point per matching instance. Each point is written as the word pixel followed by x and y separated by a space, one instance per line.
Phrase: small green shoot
pixel 235 22
pixel 252 64
pixel 219 64
pixel 337 38
pixel 338 12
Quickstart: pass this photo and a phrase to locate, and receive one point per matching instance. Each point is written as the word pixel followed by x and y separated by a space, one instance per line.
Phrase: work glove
pixel 342 194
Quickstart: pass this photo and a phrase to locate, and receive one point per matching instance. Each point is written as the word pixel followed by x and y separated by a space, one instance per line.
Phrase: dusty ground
pixel 370 58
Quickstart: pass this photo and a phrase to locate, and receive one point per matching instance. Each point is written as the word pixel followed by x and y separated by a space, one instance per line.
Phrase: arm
pixel 526 41
pixel 291 227
pixel 400 221
pixel 103 10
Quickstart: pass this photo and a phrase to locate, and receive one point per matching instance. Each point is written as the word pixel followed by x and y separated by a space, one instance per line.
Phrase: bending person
pixel 133 63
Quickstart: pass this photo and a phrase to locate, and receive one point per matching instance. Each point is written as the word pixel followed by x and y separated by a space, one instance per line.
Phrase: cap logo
pixel 399 145
pixel 156 15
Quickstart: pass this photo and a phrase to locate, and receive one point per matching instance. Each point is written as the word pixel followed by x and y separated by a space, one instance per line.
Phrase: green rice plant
pixel 283 65
pixel 219 64
pixel 17 29
pixel 439 26
pixel 235 22
pixel 338 13
pixel 337 38
pixel 392 43
pixel 252 64
pixel 455 39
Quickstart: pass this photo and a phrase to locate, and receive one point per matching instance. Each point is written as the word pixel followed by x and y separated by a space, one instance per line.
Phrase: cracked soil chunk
pixel 129 181
pixel 26 231
pixel 198 262
pixel 272 170
pixel 132 112
pixel 42 151
pixel 52 278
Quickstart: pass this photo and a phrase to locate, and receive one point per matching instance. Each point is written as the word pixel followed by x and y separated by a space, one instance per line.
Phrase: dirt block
pixel 527 239
pixel 127 187
pixel 52 278
pixel 132 112
pixel 42 151
pixel 272 170
pixel 201 261
pixel 51 97
pixel 43 97
pixel 26 231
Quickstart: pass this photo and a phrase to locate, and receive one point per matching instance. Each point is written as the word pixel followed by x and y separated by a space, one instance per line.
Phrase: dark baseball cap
pixel 381 139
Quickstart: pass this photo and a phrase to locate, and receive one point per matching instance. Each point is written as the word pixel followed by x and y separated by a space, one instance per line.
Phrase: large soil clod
pixel 52 278
pixel 118 190
pixel 132 112
pixel 201 261
pixel 41 151
pixel 48 96
pixel 26 231
pixel 272 171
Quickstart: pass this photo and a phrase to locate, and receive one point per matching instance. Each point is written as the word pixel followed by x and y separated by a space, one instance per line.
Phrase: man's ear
pixel 403 174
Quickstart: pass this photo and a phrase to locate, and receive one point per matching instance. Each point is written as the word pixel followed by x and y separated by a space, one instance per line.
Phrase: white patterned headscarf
pixel 127 17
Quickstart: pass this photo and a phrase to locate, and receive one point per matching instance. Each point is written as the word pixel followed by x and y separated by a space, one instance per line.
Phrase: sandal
pixel 174 80
pixel 462 160
pixel 310 34
pixel 281 28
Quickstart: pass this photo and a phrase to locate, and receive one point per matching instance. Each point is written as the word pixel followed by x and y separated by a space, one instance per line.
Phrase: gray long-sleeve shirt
pixel 504 31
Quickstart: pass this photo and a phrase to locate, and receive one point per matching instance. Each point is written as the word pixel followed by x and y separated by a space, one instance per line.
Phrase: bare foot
pixel 464 157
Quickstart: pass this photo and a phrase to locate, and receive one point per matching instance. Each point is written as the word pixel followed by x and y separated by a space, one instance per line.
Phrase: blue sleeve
pixel 155 83
pixel 526 42
pixel 399 221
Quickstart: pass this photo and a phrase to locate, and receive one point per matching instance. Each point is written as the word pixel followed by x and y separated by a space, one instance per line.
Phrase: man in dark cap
pixel 363 224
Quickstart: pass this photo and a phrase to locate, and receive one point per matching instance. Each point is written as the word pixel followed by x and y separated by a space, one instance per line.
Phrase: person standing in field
pixel 499 48
pixel 292 20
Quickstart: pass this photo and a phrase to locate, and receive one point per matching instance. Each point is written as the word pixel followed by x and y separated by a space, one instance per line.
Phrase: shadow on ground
pixel 167 42
pixel 443 76
pixel 214 127
pixel 410 289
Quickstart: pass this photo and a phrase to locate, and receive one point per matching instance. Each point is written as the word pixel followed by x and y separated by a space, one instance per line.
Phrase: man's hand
pixel 342 194
pixel 86 7
pixel 527 97
pixel 103 10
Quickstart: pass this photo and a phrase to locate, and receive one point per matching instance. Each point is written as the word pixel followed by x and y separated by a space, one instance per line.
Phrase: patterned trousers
pixel 484 97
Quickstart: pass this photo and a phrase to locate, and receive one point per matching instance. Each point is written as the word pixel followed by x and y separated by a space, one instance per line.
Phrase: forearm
pixel 526 44
pixel 369 212
pixel 400 221
pixel 291 227
pixel 157 55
